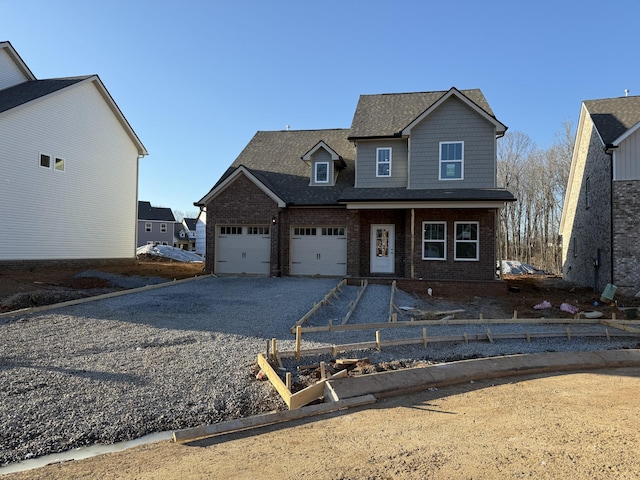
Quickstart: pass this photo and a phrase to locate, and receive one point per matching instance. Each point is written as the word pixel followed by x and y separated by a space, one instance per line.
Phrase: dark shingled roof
pixel 147 212
pixel 25 92
pixel 403 194
pixel 614 116
pixel 386 115
pixel 275 159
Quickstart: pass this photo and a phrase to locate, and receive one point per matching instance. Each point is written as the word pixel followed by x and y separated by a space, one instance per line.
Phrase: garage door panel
pixel 241 250
pixel 319 251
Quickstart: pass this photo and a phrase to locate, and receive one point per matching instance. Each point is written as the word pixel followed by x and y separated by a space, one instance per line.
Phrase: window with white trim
pixel 333 231
pixel 148 226
pixel 304 231
pixel 322 172
pixel 59 164
pixel 229 230
pixel 45 160
pixel 163 228
pixel 451 161
pixel 383 162
pixel 434 240
pixel 467 242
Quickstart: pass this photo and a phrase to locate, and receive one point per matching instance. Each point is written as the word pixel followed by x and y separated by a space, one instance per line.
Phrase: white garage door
pixel 243 249
pixel 319 251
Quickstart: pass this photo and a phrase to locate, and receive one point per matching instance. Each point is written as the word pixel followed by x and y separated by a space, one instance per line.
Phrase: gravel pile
pixel 184 355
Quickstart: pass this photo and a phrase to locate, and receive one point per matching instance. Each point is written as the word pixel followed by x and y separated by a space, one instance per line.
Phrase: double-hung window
pixel 148 227
pixel 383 162
pixel 451 161
pixel 467 243
pixel 322 172
pixel 434 241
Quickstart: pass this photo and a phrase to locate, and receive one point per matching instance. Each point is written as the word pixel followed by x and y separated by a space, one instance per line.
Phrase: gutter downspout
pixel 413 242
pixel 609 149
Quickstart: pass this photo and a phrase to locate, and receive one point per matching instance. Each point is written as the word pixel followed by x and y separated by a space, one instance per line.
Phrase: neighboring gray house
pixel 68 168
pixel 599 225
pixel 155 225
pixel 408 191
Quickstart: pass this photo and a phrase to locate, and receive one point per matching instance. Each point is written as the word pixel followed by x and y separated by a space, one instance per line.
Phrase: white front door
pixel 382 248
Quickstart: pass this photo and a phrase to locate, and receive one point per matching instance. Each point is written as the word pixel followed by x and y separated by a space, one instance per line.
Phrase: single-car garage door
pixel 243 249
pixel 319 251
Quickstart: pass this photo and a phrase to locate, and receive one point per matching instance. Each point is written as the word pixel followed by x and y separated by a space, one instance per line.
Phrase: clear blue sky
pixel 196 79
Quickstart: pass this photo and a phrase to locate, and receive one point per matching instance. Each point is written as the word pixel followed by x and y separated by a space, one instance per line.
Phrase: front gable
pixel 240 173
pixel 13 70
pixel 325 163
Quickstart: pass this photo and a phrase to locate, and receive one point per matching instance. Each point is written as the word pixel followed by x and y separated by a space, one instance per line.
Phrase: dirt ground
pixel 573 425
pixel 576 425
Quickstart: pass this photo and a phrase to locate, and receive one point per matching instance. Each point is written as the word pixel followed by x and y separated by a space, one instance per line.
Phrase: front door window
pixel 382 248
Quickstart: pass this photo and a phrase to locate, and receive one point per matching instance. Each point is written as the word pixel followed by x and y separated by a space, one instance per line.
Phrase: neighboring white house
pixel 201 233
pixel 68 168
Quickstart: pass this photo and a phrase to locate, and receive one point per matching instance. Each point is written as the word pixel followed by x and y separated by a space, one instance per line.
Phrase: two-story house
pixel 184 234
pixel 68 168
pixel 599 224
pixel 155 225
pixel 408 191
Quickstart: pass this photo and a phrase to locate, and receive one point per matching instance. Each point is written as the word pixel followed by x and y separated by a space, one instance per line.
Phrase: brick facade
pixel 243 203
pixel 626 247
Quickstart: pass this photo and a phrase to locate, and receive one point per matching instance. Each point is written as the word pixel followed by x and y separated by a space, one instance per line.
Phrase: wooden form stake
pixel 354 304
pixel 424 336
pixel 378 340
pixel 323 371
pixel 298 341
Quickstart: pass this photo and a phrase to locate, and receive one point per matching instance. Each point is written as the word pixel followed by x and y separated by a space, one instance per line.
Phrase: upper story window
pixel 434 240
pixel 59 164
pixel 322 172
pixel 163 228
pixel 45 160
pixel 451 161
pixel 383 162
pixel 148 226
pixel 467 242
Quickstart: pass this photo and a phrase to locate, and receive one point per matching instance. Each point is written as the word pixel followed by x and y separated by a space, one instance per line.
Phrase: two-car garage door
pixel 319 251
pixel 246 249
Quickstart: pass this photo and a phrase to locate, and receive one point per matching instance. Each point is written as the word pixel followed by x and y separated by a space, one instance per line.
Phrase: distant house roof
pixel 386 115
pixel 147 212
pixel 614 116
pixel 191 223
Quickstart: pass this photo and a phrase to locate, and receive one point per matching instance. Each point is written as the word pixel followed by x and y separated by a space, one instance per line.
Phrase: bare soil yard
pixel 578 425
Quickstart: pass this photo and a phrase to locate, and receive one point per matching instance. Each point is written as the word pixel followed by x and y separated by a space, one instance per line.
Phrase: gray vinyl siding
pixel 155 235
pixel 627 158
pixel 453 122
pixel 366 170
pixel 321 155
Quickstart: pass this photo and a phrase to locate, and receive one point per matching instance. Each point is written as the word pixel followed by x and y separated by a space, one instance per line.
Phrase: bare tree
pixel 530 227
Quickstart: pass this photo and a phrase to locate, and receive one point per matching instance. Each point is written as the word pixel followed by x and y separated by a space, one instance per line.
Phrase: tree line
pixel 529 228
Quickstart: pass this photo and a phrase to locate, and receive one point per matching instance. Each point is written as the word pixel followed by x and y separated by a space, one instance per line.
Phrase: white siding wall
pixel 201 234
pixel 627 158
pixel 87 211
pixel 10 74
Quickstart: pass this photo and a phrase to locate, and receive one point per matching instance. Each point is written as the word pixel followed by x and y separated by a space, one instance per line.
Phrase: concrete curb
pixel 401 382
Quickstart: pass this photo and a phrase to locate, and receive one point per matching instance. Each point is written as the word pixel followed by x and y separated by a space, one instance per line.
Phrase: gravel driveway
pixel 181 356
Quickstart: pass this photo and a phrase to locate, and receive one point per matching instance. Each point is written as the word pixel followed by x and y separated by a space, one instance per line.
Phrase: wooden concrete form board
pixel 422 378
